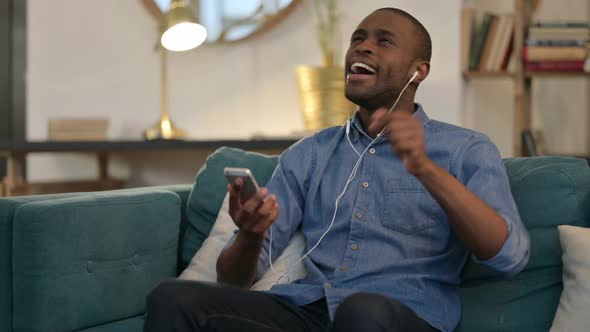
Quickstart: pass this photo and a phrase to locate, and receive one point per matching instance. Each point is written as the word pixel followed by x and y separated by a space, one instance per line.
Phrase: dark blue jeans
pixel 185 306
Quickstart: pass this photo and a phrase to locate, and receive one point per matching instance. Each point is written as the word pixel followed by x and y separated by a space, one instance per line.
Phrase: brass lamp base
pixel 164 129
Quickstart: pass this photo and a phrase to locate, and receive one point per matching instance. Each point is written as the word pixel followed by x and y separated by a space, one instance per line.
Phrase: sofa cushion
pixel 203 265
pixel 8 206
pixel 572 312
pixel 549 191
pixel 134 324
pixel 209 190
pixel 91 259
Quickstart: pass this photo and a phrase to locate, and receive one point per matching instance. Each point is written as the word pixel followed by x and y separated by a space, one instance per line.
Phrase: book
pixel 508 55
pixel 582 34
pixel 540 53
pixel 467 26
pixel 495 53
pixel 529 144
pixel 479 42
pixel 78 129
pixel 490 44
pixel 537 42
pixel 557 24
pixel 504 46
pixel 555 66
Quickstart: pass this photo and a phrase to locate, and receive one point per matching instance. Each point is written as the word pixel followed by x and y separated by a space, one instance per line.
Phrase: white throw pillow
pixel 203 265
pixel 572 312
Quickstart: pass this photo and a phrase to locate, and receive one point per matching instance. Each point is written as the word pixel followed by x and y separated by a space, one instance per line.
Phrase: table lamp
pixel 179 32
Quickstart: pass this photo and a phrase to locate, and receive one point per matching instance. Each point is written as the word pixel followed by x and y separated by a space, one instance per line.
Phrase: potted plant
pixel 321 88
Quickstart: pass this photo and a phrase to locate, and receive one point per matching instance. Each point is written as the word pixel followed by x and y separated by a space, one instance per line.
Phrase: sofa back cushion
pixel 210 188
pixel 8 206
pixel 90 259
pixel 548 191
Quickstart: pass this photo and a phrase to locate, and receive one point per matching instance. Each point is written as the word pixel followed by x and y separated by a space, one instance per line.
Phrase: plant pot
pixel 321 90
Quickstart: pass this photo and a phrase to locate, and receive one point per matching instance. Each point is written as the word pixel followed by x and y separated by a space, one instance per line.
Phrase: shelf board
pixel 528 74
pixel 487 74
pixel 557 74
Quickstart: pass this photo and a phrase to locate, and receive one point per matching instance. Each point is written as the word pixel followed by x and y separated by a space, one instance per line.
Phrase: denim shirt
pixel 390 236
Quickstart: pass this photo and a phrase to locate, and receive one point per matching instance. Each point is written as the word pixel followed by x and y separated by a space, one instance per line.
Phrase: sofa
pixel 86 261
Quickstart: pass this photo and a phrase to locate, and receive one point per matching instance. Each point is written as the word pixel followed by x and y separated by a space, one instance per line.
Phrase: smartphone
pixel 249 188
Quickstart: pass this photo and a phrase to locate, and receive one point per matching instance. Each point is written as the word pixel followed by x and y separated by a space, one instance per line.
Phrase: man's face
pixel 378 60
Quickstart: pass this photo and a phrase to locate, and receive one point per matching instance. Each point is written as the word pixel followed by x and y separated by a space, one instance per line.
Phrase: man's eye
pixel 356 39
pixel 386 42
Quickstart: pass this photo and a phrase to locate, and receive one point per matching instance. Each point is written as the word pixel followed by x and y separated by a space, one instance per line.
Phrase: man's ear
pixel 422 68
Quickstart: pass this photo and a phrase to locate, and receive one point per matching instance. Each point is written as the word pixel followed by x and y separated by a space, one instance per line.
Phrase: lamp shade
pixel 181 30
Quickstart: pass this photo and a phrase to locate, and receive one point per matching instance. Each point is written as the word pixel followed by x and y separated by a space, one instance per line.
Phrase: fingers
pixel 405 134
pixel 234 196
pixel 267 205
pixel 255 201
pixel 264 216
pixel 258 213
pixel 268 220
pixel 379 120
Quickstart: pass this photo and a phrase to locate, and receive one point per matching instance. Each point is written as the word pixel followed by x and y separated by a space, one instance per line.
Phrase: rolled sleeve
pixel 514 254
pixel 480 168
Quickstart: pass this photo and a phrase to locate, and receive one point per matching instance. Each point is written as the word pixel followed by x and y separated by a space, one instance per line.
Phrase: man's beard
pixel 373 102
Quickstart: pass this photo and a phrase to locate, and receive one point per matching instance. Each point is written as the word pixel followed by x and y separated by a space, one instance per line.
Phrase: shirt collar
pixel 357 125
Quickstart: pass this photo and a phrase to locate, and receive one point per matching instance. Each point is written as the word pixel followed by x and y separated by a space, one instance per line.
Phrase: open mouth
pixel 360 68
pixel 360 72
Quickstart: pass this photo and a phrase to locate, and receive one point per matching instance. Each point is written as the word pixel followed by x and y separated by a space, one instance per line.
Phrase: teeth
pixel 355 65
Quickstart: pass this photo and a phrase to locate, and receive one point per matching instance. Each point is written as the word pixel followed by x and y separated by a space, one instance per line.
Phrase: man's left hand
pixel 406 136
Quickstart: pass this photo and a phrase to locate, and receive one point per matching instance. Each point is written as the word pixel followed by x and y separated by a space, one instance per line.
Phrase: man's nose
pixel 366 47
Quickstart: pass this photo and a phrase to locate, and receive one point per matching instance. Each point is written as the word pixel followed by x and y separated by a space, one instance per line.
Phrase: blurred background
pixel 99 65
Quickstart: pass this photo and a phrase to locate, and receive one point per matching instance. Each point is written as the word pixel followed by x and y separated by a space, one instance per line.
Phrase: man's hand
pixel 256 215
pixel 237 265
pixel 406 136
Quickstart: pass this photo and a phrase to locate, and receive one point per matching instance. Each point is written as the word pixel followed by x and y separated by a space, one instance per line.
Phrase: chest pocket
pixel 409 207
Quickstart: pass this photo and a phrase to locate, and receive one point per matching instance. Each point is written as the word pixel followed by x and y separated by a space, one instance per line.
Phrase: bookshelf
pixel 516 72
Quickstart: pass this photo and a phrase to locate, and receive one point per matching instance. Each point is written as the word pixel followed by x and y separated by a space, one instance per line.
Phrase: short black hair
pixel 424 47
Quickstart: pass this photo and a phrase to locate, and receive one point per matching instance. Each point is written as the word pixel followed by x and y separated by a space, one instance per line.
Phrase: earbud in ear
pixel 414 76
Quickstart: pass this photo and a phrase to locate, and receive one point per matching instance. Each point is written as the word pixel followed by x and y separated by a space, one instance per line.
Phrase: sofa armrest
pixel 90 259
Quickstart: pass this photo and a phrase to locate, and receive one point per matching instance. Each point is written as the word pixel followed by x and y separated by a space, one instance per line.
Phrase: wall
pixel 100 62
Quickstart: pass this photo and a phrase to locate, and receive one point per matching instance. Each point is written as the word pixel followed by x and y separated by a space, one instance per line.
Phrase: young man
pixel 389 256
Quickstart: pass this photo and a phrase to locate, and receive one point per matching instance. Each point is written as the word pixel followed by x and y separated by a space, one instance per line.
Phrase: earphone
pixel 350 179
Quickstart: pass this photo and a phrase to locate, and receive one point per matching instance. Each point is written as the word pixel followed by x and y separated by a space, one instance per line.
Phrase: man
pixel 390 252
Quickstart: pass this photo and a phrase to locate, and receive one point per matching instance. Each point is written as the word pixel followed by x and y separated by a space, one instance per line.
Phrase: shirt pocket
pixel 409 207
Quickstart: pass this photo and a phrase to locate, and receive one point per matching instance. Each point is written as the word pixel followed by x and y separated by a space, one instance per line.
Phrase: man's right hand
pixel 254 216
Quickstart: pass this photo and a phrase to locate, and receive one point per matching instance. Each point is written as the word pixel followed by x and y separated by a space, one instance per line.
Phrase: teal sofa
pixel 86 261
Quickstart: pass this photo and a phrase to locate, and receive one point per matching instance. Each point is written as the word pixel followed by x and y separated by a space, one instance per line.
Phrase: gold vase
pixel 321 90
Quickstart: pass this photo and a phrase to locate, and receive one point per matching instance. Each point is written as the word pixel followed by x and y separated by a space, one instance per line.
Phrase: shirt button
pixel 366 184
pixel 327 285
pixel 359 215
pixel 354 247
pixel 372 151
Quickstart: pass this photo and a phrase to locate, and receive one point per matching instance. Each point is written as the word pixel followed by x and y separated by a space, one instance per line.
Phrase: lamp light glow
pixel 183 36
pixel 181 32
